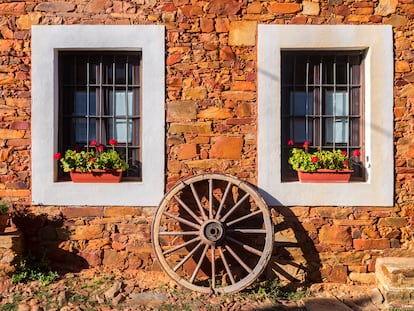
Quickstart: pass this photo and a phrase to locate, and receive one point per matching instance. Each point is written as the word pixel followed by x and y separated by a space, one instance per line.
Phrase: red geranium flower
pixel 290 142
pixel 344 153
pixel 57 156
pixel 92 160
pixel 77 148
pixel 346 163
pixel 93 143
pixel 100 148
pixel 314 159
pixel 306 144
pixel 113 142
pixel 357 153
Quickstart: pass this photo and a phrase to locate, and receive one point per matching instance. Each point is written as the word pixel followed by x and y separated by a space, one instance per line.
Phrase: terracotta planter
pixel 96 176
pixel 3 222
pixel 325 176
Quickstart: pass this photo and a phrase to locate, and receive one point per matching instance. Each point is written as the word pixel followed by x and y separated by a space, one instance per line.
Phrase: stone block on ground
pixel 395 279
pixel 11 246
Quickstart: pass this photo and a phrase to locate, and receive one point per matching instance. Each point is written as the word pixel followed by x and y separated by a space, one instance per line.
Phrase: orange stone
pixel 227 148
pixel 284 8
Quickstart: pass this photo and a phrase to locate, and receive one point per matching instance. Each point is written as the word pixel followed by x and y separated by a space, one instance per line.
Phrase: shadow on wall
pixel 45 236
pixel 295 260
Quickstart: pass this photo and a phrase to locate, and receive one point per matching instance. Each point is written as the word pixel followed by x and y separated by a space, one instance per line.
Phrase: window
pixel 322 102
pixel 333 86
pixel 100 100
pixel 102 82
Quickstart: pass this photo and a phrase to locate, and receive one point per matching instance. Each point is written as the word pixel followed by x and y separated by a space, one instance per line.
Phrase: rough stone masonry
pixel 211 110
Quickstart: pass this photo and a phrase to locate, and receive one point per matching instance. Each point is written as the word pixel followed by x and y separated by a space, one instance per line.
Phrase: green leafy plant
pixel 95 158
pixel 33 269
pixel 311 160
pixel 4 208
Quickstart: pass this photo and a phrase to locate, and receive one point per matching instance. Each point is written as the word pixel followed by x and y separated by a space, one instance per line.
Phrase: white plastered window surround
pixel 378 189
pixel 47 41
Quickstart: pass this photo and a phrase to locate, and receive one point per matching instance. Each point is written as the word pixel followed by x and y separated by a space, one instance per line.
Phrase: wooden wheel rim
pixel 219 243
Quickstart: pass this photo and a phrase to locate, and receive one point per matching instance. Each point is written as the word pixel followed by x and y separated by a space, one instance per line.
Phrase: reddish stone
pixel 20 125
pixel 342 10
pixel 220 7
pixel 14 8
pixel 174 58
pixel 92 257
pixel 335 274
pixel 239 121
pixel 167 7
pixel 114 259
pixel 301 20
pixel 226 53
pixel 206 24
pixel 191 10
pixel 74 212
pixel 222 25
pixel 227 148
pixel 361 244
pixel 283 8
pixel 55 7
pixel 186 151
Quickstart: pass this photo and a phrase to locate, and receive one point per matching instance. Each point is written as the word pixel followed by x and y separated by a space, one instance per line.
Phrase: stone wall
pixel 211 126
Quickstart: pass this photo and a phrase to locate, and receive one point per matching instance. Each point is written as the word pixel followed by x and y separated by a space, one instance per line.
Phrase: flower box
pixel 325 176
pixel 96 176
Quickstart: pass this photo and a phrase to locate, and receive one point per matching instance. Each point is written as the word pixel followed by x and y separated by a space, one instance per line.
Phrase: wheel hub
pixel 212 231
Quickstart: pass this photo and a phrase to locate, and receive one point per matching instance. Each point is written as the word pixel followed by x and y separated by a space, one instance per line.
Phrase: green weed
pixel 32 269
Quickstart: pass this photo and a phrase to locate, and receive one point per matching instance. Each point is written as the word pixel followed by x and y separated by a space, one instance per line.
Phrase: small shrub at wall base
pixel 96 158
pixel 302 159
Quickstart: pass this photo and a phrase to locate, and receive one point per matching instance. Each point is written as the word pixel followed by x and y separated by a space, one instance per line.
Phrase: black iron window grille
pixel 99 100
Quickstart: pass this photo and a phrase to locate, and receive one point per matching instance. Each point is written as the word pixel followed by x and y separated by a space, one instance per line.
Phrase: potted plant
pixel 321 165
pixel 93 165
pixel 4 215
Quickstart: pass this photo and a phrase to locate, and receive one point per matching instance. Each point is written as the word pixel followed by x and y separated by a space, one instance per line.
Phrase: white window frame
pixel 47 41
pixel 378 189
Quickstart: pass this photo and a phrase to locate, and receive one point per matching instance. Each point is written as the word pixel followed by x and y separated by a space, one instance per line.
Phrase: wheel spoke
pixel 226 265
pixel 246 247
pixel 250 231
pixel 167 233
pixel 241 262
pixel 171 250
pixel 210 198
pixel 223 199
pixel 243 217
pixel 197 268
pixel 188 210
pixel 197 198
pixel 213 266
pixel 188 256
pixel 182 220
pixel 234 207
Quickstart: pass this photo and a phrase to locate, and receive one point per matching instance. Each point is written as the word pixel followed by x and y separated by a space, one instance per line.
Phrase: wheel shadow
pixel 46 237
pixel 295 260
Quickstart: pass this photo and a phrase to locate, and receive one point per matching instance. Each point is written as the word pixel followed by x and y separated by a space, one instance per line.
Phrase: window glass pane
pixel 341 69
pixel 120 70
pixel 336 131
pixel 121 130
pixel 336 103
pixel 80 102
pixel 81 72
pixel 328 70
pixel 301 103
pixel 299 132
pixel 120 102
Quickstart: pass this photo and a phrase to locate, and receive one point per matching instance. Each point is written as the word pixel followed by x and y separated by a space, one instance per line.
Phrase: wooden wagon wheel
pixel 212 233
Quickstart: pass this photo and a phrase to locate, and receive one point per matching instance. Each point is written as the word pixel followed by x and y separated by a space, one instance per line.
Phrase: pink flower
pixel 314 159
pixel 344 153
pixel 57 156
pixel 113 142
pixel 100 148
pixel 306 144
pixel 357 153
pixel 93 143
pixel 290 142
